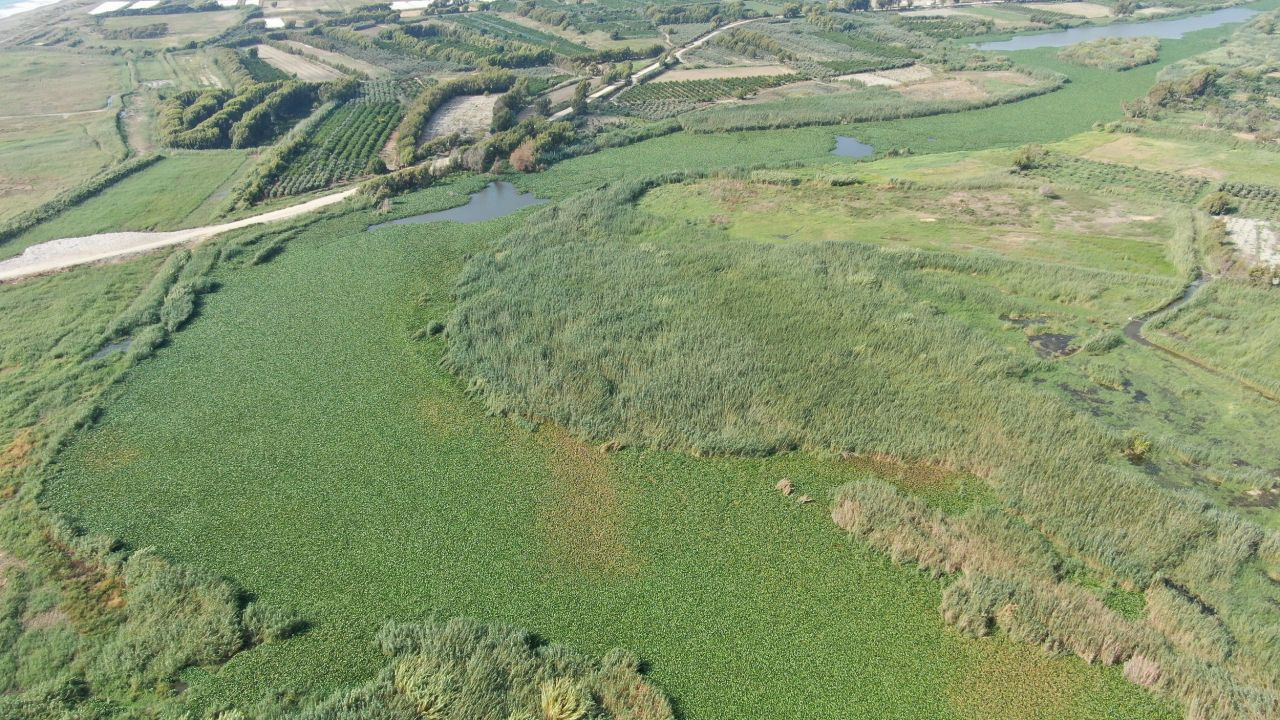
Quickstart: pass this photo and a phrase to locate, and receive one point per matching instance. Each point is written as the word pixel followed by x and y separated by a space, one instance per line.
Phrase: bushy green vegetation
pixel 463 670
pixel 215 119
pixel 664 99
pixel 502 28
pixel 344 147
pixel 1113 53
pixel 732 346
pixel 558 538
pixel 1230 325
pixel 868 105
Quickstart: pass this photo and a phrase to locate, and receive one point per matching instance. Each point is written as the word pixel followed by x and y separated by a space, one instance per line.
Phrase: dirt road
pixel 653 69
pixel 69 252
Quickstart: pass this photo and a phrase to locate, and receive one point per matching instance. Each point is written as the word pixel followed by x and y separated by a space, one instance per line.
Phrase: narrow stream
pixel 1133 330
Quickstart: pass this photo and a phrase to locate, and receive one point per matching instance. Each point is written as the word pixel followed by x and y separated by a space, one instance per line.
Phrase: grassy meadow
pixel 194 185
pixel 575 419
pixel 297 437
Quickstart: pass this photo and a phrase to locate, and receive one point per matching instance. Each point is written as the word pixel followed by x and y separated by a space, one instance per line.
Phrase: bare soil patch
pixel 1079 9
pixel 296 65
pixel 1257 240
pixel 733 71
pixel 947 89
pixel 470 115
pixel 329 56
pixel 1011 77
pixel 892 78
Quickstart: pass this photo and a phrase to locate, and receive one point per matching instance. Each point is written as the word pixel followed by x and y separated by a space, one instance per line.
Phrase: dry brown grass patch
pixel 910 476
pixel 583 517
pixel 18 453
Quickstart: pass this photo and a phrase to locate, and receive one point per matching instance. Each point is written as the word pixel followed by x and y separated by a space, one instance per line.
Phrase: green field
pixel 295 445
pixel 194 185
pixel 926 435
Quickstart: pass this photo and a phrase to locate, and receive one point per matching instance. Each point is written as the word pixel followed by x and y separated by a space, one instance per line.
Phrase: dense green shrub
pixel 463 670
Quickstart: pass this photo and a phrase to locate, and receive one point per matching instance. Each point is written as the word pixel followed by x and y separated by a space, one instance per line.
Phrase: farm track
pixel 654 69
pixel 64 253
pixel 1133 331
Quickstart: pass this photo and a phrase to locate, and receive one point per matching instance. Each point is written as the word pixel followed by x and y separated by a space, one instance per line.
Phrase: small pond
pixel 118 346
pixel 1169 29
pixel 494 201
pixel 850 147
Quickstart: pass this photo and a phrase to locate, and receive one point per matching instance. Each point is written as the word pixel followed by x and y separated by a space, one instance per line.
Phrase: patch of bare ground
pixel 943 89
pixel 913 477
pixel 995 207
pixel 45 620
pixel 18 453
pixel 732 71
pixel 891 78
pixel 298 66
pixel 8 562
pixel 388 153
pixel 582 520
pixel 469 115
pixel 1258 241
pixel 1079 9
pixel 1012 77
pixel 339 59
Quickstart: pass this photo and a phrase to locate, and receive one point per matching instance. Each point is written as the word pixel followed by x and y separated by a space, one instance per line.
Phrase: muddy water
pixel 1170 29
pixel 494 201
pixel 1133 330
pixel 850 147
pixel 116 347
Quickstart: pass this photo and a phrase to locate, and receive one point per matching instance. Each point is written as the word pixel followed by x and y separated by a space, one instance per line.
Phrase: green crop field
pixel 318 447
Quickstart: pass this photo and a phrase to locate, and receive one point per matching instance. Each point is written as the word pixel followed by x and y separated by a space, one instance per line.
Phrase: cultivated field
pixel 469 114
pixel 340 60
pixel 297 65
pixel 739 71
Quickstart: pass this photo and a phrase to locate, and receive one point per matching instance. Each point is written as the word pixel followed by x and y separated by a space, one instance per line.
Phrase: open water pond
pixel 1168 29
pixel 494 201
pixel 850 147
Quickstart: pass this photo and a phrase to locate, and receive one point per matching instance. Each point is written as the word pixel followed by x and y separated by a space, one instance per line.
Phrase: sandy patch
pixel 1011 77
pixel 1257 240
pixel 298 66
pixel 949 89
pixel 470 115
pixel 1154 11
pixel 1079 9
pixel 891 78
pixel 734 71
